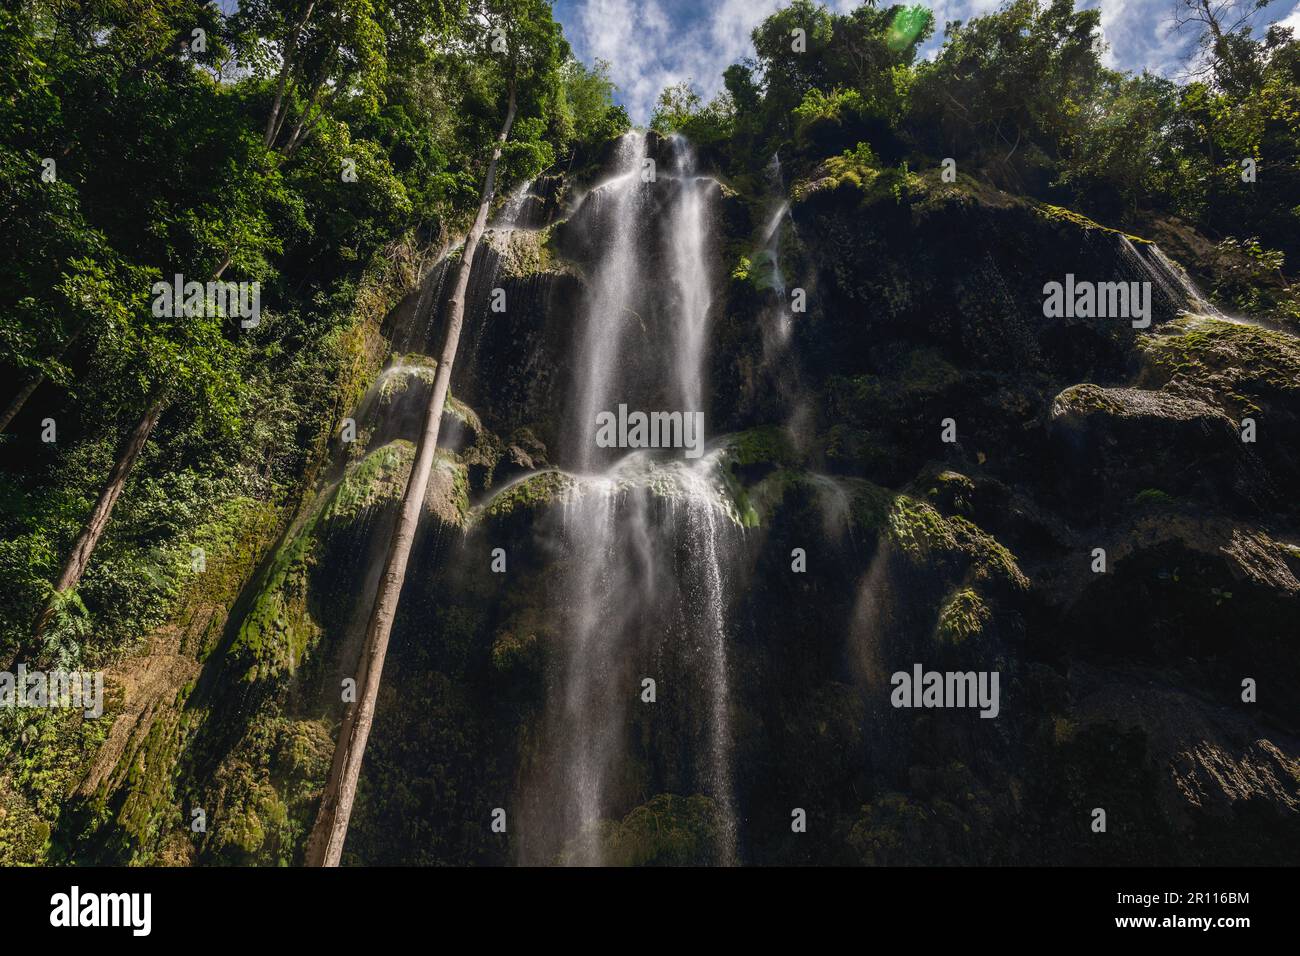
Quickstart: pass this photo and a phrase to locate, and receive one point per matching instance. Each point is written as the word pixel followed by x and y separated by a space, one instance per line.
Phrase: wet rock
pixel 1116 441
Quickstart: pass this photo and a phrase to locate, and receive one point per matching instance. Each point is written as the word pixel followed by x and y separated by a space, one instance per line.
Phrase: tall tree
pixel 325 50
pixel 522 33
pixel 1223 37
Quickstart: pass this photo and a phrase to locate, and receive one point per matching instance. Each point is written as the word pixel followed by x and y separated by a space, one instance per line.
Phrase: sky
pixel 651 44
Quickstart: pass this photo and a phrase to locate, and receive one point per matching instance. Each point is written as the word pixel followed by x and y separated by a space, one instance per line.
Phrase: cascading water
pixel 1176 285
pixel 643 534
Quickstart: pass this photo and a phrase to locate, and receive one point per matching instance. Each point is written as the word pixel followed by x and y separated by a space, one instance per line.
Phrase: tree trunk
pixel 24 393
pixel 276 120
pixel 291 145
pixel 94 529
pixel 325 845
pixel 99 517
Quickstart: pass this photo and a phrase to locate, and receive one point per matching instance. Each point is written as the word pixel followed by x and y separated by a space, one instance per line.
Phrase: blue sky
pixel 651 44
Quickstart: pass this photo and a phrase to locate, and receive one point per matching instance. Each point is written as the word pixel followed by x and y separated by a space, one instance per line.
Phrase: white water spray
pixel 644 535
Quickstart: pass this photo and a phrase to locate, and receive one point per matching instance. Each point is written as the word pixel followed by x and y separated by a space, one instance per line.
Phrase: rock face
pixel 949 464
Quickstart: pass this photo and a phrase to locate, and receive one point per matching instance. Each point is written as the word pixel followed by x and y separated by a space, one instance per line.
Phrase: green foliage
pixel 963 617
pixel 682 110
pixel 1019 97
pixel 1013 80
pixel 855 71
pixel 858 166
pixel 587 108
pixel 301 149
pixel 667 831
pixel 1249 278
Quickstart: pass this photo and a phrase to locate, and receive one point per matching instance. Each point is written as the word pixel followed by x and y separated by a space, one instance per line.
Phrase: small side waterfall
pixel 643 535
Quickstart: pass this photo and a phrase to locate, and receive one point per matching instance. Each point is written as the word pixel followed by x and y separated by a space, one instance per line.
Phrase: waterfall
pixel 642 337
pixel 690 281
pixel 643 535
pixel 1173 282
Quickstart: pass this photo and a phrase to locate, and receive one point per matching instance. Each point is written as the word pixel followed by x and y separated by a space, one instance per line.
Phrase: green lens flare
pixel 906 27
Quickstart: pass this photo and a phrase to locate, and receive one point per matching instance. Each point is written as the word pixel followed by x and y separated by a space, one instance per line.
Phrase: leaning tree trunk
pixel 94 529
pixel 15 405
pixel 20 399
pixel 325 845
pixel 75 566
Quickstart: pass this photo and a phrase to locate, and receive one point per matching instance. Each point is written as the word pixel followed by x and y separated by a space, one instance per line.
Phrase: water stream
pixel 644 534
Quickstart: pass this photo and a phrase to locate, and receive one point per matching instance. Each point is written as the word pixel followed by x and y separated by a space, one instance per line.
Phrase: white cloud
pixel 1293 20
pixel 648 49
pixel 651 44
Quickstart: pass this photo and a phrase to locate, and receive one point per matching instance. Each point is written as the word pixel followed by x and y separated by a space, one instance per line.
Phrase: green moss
pixel 962 617
pixel 1087 399
pixel 449 489
pixel 918 530
pixel 1243 364
pixel 279 627
pixel 150 801
pixel 762 445
pixel 1059 214
pixel 669 830
pixel 463 413
pixel 990 560
pixel 45 753
pixel 378 478
pixel 768 449
pixel 23 833
pixel 1152 498
pixel 924 535
pixel 536 491
pixel 405 369
pixel 526 252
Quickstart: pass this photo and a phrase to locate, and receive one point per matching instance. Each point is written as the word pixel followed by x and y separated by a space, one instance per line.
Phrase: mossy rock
pixel 669 830
pixel 1059 214
pixel 951 491
pixel 1080 402
pixel 1116 441
pixel 755 472
pixel 536 491
pixel 403 370
pixel 767 444
pixel 279 629
pixel 927 539
pixel 447 496
pixel 990 560
pixel 963 616
pixel 22 831
pixel 1243 366
pixel 526 252
pixel 918 530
